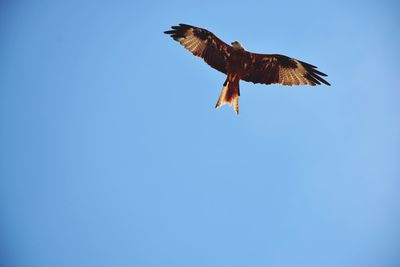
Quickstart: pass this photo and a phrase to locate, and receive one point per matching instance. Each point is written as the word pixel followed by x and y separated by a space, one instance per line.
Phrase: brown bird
pixel 239 64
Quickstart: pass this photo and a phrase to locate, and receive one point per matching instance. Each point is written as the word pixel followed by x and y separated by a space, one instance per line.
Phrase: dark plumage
pixel 240 64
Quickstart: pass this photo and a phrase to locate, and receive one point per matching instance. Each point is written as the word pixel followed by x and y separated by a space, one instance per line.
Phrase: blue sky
pixel 112 153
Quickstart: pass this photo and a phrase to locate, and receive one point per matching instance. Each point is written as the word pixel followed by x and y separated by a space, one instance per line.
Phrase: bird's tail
pixel 230 93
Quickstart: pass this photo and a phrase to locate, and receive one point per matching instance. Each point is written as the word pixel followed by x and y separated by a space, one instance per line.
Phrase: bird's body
pixel 239 64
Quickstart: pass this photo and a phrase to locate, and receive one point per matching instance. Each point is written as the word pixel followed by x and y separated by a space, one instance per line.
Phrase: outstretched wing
pixel 202 43
pixel 269 69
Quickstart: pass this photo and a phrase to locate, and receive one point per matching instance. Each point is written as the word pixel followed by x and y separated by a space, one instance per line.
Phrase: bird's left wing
pixel 202 43
pixel 280 69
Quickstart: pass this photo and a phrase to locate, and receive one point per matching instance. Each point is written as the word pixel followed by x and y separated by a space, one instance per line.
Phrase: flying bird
pixel 239 64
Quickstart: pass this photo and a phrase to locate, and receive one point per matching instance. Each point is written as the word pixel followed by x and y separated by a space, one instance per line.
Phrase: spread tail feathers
pixel 230 94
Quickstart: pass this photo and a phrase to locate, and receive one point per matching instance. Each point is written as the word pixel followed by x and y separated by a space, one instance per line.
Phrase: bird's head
pixel 237 45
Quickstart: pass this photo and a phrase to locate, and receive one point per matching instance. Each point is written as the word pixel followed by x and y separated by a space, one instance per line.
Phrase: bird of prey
pixel 239 64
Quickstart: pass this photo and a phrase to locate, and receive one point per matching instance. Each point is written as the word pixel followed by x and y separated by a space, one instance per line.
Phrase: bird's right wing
pixel 279 69
pixel 202 43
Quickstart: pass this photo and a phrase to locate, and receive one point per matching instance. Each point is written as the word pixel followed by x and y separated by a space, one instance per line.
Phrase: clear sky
pixel 112 154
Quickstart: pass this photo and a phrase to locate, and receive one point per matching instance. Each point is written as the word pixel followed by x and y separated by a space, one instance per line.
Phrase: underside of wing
pixel 279 69
pixel 202 43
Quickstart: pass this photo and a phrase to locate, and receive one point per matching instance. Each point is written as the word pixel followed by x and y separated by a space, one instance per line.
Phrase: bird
pixel 239 64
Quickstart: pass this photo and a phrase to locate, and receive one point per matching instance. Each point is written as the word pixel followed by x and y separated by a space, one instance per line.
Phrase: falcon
pixel 239 64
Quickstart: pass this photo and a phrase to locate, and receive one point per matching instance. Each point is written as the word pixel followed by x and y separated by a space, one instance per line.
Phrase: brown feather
pixel 279 69
pixel 202 43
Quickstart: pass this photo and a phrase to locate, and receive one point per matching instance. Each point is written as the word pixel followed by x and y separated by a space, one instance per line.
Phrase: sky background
pixel 112 154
